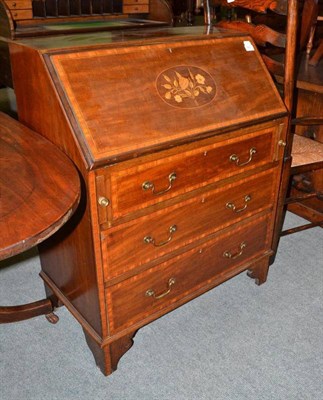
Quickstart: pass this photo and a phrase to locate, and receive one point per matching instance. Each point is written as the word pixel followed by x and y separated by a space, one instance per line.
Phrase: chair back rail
pixel 266 36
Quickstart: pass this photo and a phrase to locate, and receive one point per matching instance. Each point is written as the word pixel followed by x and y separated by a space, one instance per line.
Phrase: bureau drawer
pixel 150 237
pixel 135 185
pixel 156 289
pixel 135 8
pixel 19 4
pixel 21 14
pixel 135 2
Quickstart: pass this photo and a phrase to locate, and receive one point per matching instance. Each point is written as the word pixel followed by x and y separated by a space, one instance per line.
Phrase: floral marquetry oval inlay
pixel 186 86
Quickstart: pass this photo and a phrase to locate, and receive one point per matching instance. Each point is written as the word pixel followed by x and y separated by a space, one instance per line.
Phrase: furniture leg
pixel 107 357
pixel 26 311
pixel 260 271
pixel 314 60
pixel 53 298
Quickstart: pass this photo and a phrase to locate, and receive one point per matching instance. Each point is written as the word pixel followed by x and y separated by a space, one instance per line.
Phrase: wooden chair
pixel 280 49
pixel 311 17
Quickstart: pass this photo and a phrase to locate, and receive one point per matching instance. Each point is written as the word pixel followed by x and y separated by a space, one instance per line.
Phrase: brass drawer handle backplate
pixel 150 186
pixel 235 159
pixel 228 254
pixel 151 240
pixel 151 292
pixel 232 206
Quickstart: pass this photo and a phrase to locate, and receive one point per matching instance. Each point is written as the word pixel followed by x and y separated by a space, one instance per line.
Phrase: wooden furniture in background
pixel 283 68
pixel 32 18
pixel 306 194
pixel 312 16
pixel 40 191
pixel 180 170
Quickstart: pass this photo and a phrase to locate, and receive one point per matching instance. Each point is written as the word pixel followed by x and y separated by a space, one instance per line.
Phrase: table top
pixel 39 188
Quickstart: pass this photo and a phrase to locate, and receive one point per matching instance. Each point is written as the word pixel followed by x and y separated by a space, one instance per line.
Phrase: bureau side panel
pixel 69 268
pixel 38 103
pixel 68 257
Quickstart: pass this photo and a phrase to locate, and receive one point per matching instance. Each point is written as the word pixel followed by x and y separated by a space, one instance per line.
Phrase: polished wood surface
pixel 212 262
pixel 211 162
pixel 39 188
pixel 152 154
pixel 157 117
pixel 40 191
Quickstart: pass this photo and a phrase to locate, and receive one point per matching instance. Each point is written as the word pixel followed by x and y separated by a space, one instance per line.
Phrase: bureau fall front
pixel 178 137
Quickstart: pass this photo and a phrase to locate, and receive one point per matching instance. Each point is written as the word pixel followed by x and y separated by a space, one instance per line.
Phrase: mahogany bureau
pixel 178 137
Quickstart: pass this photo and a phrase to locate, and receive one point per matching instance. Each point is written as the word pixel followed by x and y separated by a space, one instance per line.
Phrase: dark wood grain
pixel 128 302
pixel 262 34
pixel 278 6
pixel 208 206
pixel 6 24
pixel 141 98
pixel 26 311
pixel 39 188
pixel 40 191
pixel 161 10
pixel 107 357
pixel 309 18
pixel 211 164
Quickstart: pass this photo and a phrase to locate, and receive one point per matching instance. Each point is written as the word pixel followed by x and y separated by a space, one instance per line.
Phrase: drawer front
pixel 156 289
pixel 147 183
pixel 134 2
pixel 135 9
pixel 150 237
pixel 21 14
pixel 19 4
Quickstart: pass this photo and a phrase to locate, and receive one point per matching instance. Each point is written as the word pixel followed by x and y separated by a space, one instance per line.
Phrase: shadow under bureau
pixel 178 137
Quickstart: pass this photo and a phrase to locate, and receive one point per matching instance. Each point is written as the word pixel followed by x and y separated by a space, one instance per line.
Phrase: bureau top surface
pixel 153 89
pixel 122 37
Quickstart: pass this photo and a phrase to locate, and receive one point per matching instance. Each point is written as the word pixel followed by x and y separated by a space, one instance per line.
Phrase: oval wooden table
pixel 39 192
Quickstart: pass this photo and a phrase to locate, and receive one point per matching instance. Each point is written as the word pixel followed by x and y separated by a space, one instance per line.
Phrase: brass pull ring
pixel 149 239
pixel 235 159
pixel 228 254
pixel 150 186
pixel 151 292
pixel 232 206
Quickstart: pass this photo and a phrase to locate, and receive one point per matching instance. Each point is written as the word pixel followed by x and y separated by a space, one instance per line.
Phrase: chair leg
pixel 301 228
pixel 314 60
pixel 310 40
